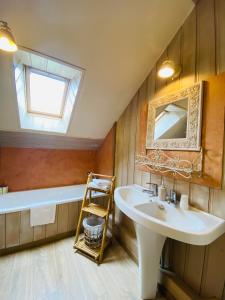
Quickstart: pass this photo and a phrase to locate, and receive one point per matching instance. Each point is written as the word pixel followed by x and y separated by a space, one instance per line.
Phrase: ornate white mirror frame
pixel 192 142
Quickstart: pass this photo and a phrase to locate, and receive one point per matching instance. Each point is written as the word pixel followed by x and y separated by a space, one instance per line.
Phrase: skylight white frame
pixel 28 71
pixel 42 123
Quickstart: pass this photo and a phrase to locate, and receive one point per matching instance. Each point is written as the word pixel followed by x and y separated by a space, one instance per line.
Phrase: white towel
pixel 100 183
pixel 42 215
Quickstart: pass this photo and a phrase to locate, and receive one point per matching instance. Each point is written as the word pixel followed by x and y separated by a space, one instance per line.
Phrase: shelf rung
pixel 96 210
pixel 95 189
pixel 81 246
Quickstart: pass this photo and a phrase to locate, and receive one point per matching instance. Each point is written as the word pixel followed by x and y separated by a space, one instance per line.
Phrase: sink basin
pixel 154 221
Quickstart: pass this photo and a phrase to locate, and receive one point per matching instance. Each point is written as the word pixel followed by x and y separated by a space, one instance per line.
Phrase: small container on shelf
pixel 3 189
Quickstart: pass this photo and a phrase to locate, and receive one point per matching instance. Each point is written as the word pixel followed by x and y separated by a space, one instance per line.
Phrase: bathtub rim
pixel 51 198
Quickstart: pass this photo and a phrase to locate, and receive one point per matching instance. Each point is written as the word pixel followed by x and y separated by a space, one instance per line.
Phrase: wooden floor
pixel 55 272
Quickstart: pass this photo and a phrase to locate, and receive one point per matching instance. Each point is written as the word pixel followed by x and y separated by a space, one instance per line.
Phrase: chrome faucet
pixel 173 197
pixel 152 190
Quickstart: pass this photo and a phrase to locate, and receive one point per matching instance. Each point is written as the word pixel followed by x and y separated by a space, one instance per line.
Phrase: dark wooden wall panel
pixel 12 229
pixel 2 231
pixel 15 229
pixel 26 231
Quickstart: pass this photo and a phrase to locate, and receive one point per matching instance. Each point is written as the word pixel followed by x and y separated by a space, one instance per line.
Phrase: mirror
pixel 174 121
pixel 171 120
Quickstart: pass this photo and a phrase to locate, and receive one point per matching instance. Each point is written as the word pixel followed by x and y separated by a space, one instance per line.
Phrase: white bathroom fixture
pixel 156 220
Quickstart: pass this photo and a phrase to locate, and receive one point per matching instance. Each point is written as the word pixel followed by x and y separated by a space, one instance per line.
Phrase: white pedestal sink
pixel 155 220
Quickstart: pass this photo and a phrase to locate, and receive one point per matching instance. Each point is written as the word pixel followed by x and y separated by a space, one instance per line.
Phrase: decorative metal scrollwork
pixel 158 161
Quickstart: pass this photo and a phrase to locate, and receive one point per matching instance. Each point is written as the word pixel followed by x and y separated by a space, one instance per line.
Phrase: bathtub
pixel 15 229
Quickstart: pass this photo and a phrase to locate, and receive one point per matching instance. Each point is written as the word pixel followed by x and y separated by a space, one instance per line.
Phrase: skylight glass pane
pixel 46 94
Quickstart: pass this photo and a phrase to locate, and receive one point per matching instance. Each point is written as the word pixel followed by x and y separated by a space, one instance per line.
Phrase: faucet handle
pixel 153 187
pixel 173 196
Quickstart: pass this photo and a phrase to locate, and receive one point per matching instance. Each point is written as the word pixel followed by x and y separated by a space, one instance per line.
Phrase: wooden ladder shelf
pixel 90 208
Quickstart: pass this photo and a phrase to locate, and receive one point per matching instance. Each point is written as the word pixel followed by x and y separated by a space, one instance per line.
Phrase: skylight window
pixel 46 93
pixel 47 90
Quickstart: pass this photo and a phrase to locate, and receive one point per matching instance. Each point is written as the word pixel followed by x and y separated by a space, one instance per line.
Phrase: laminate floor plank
pixel 55 272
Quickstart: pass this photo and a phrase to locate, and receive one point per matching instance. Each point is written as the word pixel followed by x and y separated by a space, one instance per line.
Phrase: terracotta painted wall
pixel 199 46
pixel 31 168
pixel 24 168
pixel 106 154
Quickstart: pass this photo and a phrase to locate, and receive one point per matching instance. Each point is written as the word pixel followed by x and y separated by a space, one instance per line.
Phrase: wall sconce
pixel 169 69
pixel 7 41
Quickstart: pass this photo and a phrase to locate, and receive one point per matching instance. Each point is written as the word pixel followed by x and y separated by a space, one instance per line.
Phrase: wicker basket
pixel 93 230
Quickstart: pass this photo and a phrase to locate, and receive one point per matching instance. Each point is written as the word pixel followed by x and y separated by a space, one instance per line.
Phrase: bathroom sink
pixel 154 221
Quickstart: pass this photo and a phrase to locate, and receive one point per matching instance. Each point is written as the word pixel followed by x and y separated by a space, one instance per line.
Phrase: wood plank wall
pixel 199 45
pixel 15 229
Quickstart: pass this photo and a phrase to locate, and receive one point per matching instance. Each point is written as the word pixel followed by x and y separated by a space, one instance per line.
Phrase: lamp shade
pixel 169 69
pixel 7 41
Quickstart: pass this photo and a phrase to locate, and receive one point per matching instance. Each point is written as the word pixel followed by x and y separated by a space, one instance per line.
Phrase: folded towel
pixel 100 183
pixel 42 215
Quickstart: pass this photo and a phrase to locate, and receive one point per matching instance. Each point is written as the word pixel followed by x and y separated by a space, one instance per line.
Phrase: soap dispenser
pixel 162 191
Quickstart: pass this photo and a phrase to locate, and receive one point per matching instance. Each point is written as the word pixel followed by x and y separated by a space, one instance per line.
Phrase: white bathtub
pixel 19 201
pixel 15 229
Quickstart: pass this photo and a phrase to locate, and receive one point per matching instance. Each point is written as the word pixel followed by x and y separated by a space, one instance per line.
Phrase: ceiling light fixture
pixel 7 41
pixel 169 69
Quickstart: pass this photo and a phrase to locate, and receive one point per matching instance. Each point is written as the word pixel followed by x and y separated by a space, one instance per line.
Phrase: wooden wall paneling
pixel 182 187
pixel 73 216
pixel 126 137
pixel 151 82
pixel 52 229
pixel 63 214
pixel 214 273
pixel 39 232
pixel 142 112
pixel 194 266
pixel 117 159
pixel 174 53
pixel 169 183
pixel 155 178
pixel 160 83
pixel 220 35
pixel 137 172
pixel 179 257
pixel 12 229
pixel 132 141
pixel 188 50
pixel 26 231
pixel 2 231
pixel 119 151
pixel 141 118
pixel 180 250
pixel 46 141
pixel 217 203
pixel 206 53
pixel 199 196
pixel 195 255
pixel 145 179
pixel 202 44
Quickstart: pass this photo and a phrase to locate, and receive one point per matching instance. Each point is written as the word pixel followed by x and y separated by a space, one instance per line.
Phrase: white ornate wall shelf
pixel 158 161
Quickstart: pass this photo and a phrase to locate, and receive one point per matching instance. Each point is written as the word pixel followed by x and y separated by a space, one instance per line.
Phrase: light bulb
pixel 166 72
pixel 7 41
pixel 7 45
pixel 169 69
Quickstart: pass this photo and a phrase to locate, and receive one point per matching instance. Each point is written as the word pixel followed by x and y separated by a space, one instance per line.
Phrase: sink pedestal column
pixel 150 246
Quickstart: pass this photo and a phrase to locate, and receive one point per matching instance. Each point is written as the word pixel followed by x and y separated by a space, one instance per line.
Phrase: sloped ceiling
pixel 117 42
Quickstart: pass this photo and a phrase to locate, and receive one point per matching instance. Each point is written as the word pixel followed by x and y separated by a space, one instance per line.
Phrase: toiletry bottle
pixel 184 202
pixel 162 192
